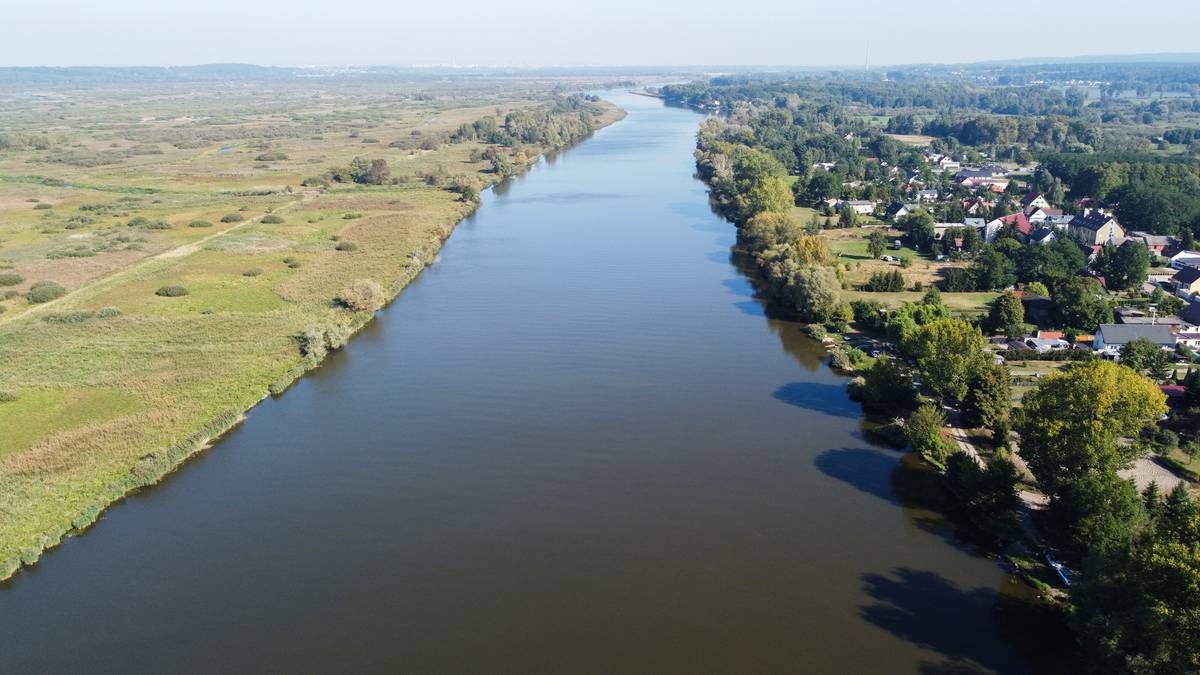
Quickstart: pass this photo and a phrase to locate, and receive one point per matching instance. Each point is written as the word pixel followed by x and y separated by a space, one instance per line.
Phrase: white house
pixel 1185 259
pixel 1110 337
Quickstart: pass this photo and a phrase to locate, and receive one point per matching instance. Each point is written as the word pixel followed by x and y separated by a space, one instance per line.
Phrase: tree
pixel 769 194
pixel 1142 355
pixel 848 217
pixel 876 244
pixel 1079 303
pixel 989 398
pixel 1006 314
pixel 919 225
pixel 993 270
pixel 948 353
pixel 821 186
pixel 885 282
pixel 1071 424
pixel 926 433
pixel 379 172
pixel 887 387
pixel 1123 267
pixel 815 292
pixel 1037 288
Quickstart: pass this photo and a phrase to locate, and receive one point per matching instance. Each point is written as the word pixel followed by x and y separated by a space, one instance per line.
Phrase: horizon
pixel 540 34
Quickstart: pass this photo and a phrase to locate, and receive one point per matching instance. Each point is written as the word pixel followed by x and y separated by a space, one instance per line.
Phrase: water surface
pixel 575 444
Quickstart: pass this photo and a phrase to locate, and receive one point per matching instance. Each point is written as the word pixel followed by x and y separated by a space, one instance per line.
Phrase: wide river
pixel 575 444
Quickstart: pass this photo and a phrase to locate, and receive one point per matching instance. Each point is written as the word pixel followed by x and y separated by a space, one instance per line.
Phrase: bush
pixel 885 282
pixel 926 434
pixel 43 206
pixel 8 395
pixel 352 216
pixel 10 279
pixel 232 218
pixel 45 291
pixel 108 312
pixel 76 316
pixel 816 331
pixel 199 223
pixel 252 272
pixel 171 291
pixel 364 295
pixel 273 156
pixel 272 219
pixel 346 246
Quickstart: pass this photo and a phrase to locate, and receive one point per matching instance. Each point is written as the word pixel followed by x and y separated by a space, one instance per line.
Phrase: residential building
pixel 861 207
pixel 1034 200
pixel 1096 229
pixel 1017 221
pixel 1185 259
pixel 1155 243
pixel 1187 281
pixel 1110 337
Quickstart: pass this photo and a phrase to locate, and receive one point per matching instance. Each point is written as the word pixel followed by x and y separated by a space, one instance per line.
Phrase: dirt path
pixel 180 251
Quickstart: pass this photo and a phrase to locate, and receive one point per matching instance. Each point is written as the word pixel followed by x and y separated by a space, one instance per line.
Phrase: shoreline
pixel 161 463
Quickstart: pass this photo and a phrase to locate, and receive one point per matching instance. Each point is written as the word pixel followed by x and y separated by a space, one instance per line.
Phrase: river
pixel 575 444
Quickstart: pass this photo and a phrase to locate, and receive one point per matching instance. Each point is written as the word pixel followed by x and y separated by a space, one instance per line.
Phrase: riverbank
pixel 119 382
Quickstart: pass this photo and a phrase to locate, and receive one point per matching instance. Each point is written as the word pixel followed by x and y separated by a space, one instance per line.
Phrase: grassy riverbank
pixel 110 386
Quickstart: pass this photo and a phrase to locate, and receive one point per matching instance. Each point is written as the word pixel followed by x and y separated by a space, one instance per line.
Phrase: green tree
pixel 1006 314
pixel 1123 267
pixel 815 292
pixel 993 270
pixel 927 433
pixel 989 398
pixel 876 244
pixel 887 387
pixel 1143 356
pixel 1071 424
pixel 848 217
pixel 1079 303
pixel 948 353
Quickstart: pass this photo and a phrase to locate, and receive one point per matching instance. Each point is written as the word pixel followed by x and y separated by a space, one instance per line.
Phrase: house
pixel 1110 337
pixel 1191 314
pixel 1043 236
pixel 1034 200
pixel 927 196
pixel 947 164
pixel 1095 229
pixel 1041 215
pixel 1185 259
pixel 1155 243
pixel 897 210
pixel 1059 222
pixel 824 166
pixel 1189 337
pixel 972 206
pixel 1018 222
pixel 861 207
pixel 1043 345
pixel 1187 281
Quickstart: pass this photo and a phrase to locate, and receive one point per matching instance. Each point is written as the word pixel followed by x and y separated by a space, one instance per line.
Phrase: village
pixel 1162 308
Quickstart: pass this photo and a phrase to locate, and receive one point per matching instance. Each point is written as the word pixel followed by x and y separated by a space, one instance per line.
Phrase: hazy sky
pixel 579 32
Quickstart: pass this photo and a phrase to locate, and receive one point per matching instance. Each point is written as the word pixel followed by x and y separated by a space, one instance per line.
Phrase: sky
pixel 582 33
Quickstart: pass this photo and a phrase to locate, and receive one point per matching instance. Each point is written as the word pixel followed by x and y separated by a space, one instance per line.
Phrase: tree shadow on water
pixel 864 468
pixel 829 399
pixel 934 613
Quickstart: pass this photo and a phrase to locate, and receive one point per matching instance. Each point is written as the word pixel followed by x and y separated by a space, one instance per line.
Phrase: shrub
pixel 108 312
pixel 816 331
pixel 274 156
pixel 171 291
pixel 3 309
pixel 291 262
pixel 76 316
pixel 352 216
pixel 346 246
pixel 199 223
pixel 10 279
pixel 927 435
pixel 272 219
pixel 252 272
pixel 45 291
pixel 232 218
pixel 42 206
pixel 9 294
pixel 8 395
pixel 364 295
pixel 886 282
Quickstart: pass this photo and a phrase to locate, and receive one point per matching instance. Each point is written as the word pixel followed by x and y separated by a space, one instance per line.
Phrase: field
pixel 118 196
